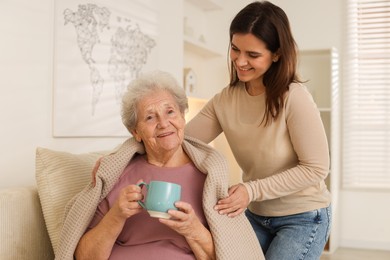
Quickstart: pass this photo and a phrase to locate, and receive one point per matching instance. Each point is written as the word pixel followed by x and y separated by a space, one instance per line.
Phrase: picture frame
pixel 99 47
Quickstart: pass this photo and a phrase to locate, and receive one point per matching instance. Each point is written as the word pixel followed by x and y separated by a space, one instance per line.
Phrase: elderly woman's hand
pixel 127 203
pixel 184 221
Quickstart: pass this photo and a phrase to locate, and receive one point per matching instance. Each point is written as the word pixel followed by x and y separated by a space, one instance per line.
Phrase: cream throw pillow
pixel 60 176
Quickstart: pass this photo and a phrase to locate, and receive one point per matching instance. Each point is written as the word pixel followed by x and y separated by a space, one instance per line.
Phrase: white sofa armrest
pixel 23 233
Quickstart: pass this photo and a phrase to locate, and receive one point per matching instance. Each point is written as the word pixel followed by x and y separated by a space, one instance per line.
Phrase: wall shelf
pixel 320 68
pixel 207 5
pixel 200 48
pixel 201 51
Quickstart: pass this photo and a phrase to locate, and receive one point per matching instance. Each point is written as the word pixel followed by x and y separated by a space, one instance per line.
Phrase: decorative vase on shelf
pixel 189 81
pixel 188 30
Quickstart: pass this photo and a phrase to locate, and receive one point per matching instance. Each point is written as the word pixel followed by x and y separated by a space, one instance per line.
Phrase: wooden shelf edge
pixel 207 5
pixel 199 48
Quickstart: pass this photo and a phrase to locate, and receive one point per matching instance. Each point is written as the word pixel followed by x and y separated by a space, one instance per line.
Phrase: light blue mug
pixel 160 197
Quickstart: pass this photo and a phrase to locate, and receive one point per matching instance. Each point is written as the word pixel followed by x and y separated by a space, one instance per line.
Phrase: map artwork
pixel 128 47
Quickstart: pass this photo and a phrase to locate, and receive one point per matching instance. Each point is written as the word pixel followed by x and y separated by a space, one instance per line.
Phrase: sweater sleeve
pixel 205 125
pixel 308 138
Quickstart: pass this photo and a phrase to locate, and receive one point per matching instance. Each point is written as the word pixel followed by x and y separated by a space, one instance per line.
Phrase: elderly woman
pixel 105 220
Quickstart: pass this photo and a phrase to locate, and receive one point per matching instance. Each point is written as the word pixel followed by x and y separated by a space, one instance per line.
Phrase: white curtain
pixel 366 98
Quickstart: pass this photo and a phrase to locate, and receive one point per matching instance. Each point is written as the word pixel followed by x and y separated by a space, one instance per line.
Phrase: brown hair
pixel 270 24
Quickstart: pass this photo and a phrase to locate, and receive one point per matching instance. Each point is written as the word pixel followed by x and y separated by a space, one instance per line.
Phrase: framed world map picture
pixel 99 47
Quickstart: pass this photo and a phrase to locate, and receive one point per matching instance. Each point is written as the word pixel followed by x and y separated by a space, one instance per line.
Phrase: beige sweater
pixel 234 238
pixel 284 164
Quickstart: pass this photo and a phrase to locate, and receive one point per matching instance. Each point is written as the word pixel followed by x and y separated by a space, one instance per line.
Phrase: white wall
pixel 26 62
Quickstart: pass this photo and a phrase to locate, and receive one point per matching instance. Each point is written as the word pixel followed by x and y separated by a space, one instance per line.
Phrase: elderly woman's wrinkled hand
pixel 127 203
pixel 184 221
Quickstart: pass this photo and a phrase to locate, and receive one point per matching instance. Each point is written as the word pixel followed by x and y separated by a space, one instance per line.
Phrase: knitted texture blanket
pixel 234 238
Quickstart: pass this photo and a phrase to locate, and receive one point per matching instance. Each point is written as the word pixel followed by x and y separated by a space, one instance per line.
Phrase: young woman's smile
pixel 251 58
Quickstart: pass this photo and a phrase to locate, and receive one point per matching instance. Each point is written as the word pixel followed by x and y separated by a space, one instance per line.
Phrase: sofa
pixel 23 232
pixel 31 217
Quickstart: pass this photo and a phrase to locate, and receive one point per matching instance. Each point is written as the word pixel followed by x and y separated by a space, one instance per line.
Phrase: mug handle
pixel 142 184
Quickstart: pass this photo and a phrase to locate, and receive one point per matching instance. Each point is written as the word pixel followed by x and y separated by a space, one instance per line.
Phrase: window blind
pixel 366 97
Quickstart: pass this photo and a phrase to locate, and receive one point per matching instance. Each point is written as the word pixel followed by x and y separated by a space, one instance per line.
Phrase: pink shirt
pixel 143 237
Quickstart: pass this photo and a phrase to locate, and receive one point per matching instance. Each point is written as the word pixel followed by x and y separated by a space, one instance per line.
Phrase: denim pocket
pixel 329 215
pixel 313 216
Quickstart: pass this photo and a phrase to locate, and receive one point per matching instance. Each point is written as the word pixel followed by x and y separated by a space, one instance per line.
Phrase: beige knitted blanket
pixel 234 238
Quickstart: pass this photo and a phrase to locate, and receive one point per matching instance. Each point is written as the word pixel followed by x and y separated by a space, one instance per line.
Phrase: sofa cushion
pixel 60 176
pixel 23 234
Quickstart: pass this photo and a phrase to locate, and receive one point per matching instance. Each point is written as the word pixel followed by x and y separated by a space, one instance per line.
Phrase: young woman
pixel 276 134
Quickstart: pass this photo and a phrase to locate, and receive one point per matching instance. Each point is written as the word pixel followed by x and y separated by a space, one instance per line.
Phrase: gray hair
pixel 143 86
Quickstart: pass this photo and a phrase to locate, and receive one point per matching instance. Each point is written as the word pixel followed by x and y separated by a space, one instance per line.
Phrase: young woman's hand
pixel 235 203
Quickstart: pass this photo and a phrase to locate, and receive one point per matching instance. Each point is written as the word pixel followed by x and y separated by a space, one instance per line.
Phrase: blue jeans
pixel 293 237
